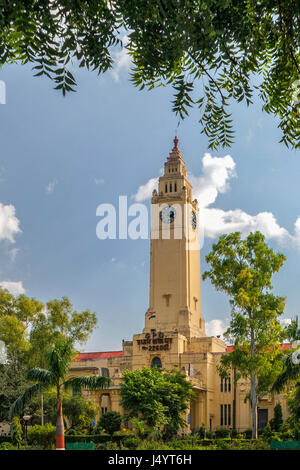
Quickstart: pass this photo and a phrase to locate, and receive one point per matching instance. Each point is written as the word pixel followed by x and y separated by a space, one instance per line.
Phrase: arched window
pixel 175 187
pixel 156 362
pixel 166 188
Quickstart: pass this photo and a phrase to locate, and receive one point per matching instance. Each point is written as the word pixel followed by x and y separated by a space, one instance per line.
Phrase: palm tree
pixel 59 360
pixel 291 366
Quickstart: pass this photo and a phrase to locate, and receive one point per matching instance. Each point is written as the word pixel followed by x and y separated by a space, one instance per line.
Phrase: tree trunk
pixel 254 406
pixel 60 435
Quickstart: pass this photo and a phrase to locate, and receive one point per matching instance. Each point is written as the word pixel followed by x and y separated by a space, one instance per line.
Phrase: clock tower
pixel 175 295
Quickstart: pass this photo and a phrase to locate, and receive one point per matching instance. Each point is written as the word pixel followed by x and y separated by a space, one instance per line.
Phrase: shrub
pixel 275 436
pixel 111 422
pixel 112 446
pixel 138 426
pixel 153 445
pixel 100 446
pixel 254 444
pixel 201 432
pixel 7 446
pixel 131 442
pixel 277 421
pixel 221 433
pixel 209 434
pixel 267 432
pixel 155 434
pixel 16 431
pixel 248 434
pixel 5 439
pixel 42 435
pixel 296 431
pixel 223 444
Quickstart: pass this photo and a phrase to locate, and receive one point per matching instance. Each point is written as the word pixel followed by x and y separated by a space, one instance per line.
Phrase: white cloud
pixel 216 173
pixel 51 186
pixel 9 223
pixel 121 59
pixel 214 180
pixel 218 221
pixel 215 328
pixel 113 260
pixel 15 288
pixel 145 191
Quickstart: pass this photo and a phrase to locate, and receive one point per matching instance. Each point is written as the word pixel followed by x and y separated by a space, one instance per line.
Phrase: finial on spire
pixel 175 143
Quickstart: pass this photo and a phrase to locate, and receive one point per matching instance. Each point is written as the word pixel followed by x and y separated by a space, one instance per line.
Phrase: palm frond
pixel 60 357
pixel 91 382
pixel 42 376
pixel 291 372
pixel 18 406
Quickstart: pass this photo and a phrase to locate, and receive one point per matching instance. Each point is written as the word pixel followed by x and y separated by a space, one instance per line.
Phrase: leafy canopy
pixel 110 421
pixel 291 363
pixel 243 270
pixel 158 396
pixel 223 50
pixel 28 327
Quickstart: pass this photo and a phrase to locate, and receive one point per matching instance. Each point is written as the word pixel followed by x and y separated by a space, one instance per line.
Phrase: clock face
pixel 193 220
pixel 167 215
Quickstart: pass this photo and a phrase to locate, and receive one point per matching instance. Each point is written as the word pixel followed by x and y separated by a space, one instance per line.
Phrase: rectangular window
pixel 104 372
pixel 103 411
pixel 221 385
pixel 175 187
pixel 221 415
pixel 225 415
pixel 166 188
pixel 170 187
pixel 229 384
pixel 225 388
pixel 229 415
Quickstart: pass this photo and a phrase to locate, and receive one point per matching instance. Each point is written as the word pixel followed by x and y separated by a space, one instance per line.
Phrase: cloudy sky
pixel 62 157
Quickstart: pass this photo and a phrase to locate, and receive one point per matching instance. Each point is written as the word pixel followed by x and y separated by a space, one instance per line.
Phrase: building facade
pixel 174 333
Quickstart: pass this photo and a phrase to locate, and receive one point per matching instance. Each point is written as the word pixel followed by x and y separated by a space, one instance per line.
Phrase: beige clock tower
pixel 174 334
pixel 175 296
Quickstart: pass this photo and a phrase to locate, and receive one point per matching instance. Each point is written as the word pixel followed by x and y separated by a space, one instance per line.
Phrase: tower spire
pixel 175 153
pixel 175 143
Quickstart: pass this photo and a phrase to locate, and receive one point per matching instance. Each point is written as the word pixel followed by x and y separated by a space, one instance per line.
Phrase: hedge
pixel 5 439
pixel 96 438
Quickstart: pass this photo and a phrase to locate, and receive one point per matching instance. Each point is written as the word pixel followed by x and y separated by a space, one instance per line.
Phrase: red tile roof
pixel 283 346
pixel 97 355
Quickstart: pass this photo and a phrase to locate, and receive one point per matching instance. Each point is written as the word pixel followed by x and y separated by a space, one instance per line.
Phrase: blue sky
pixel 62 157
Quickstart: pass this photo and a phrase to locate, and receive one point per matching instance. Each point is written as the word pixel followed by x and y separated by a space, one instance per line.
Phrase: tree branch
pixel 208 74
